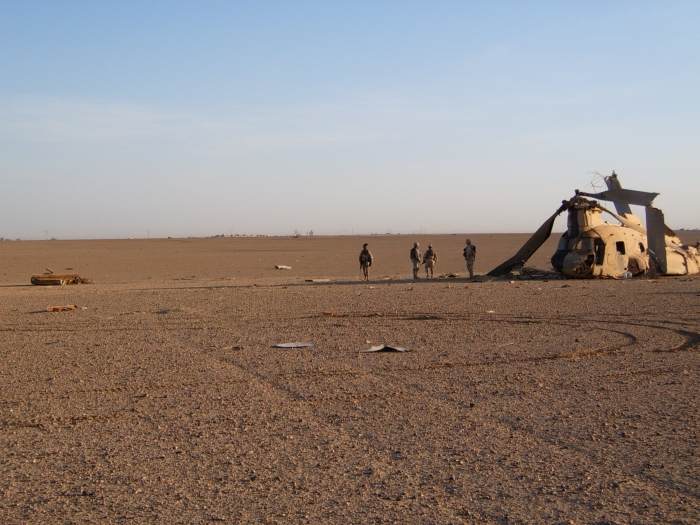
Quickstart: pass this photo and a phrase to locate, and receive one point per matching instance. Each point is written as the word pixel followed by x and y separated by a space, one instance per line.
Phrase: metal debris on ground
pixel 317 280
pixel 66 308
pixel 57 279
pixel 383 348
pixel 282 267
pixel 528 273
pixel 294 345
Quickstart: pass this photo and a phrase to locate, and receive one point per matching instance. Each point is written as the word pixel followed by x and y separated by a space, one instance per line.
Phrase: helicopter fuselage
pixel 602 251
pixel 592 248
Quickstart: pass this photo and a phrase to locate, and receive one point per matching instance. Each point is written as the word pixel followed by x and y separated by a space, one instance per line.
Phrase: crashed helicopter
pixel 592 247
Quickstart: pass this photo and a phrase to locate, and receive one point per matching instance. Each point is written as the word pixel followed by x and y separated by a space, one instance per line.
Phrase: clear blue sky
pixel 201 118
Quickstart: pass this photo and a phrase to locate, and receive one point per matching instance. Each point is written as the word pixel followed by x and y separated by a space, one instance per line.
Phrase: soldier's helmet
pixel 365 245
pixel 415 245
pixel 469 241
pixel 430 246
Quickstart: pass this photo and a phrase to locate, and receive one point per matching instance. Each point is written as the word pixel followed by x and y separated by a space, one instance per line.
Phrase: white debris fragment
pixel 384 348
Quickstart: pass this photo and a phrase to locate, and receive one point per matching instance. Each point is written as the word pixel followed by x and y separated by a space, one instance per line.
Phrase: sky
pixel 182 118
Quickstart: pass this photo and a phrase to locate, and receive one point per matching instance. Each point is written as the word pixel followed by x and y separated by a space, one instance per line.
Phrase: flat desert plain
pixel 163 400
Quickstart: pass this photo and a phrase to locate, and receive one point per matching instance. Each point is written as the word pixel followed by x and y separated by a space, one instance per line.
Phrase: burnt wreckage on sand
pixel 592 247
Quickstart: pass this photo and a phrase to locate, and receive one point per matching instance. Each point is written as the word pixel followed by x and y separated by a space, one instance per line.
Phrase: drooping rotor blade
pixel 656 239
pixel 636 227
pixel 639 198
pixel 613 183
pixel 531 246
pixel 624 221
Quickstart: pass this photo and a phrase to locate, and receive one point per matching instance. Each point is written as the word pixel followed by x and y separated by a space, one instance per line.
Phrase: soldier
pixel 365 261
pixel 469 254
pixel 429 259
pixel 416 259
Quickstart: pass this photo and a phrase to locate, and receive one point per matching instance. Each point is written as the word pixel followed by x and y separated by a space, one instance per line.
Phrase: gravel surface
pixel 528 402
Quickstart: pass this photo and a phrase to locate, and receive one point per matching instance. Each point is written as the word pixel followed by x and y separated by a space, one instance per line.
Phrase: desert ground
pixel 162 398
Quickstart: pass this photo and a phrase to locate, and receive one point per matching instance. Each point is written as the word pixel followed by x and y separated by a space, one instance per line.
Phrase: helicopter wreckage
pixel 592 247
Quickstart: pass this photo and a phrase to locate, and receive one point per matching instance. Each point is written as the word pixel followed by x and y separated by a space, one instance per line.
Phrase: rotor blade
pixel 656 239
pixel 639 198
pixel 613 183
pixel 531 246
pixel 636 227
pixel 624 221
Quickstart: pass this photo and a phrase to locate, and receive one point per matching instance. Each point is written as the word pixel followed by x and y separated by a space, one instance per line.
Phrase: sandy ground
pixel 162 400
pixel 130 261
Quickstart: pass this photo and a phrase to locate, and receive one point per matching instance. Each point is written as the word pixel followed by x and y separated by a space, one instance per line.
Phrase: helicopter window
pixel 620 245
pixel 641 247
pixel 586 244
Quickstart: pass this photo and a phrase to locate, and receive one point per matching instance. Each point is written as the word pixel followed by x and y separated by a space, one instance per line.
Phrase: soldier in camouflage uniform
pixel 429 259
pixel 469 254
pixel 365 261
pixel 416 259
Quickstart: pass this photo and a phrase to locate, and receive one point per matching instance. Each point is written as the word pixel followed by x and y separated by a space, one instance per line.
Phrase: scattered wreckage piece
pixel 66 308
pixel 383 348
pixel 58 279
pixel 282 267
pixel 592 247
pixel 529 273
pixel 323 280
pixel 295 344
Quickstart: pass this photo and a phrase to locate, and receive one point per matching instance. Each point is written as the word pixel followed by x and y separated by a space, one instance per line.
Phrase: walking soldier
pixel 365 261
pixel 469 254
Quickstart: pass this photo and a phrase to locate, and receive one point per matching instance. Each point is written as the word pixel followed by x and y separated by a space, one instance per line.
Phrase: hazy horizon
pixel 177 119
